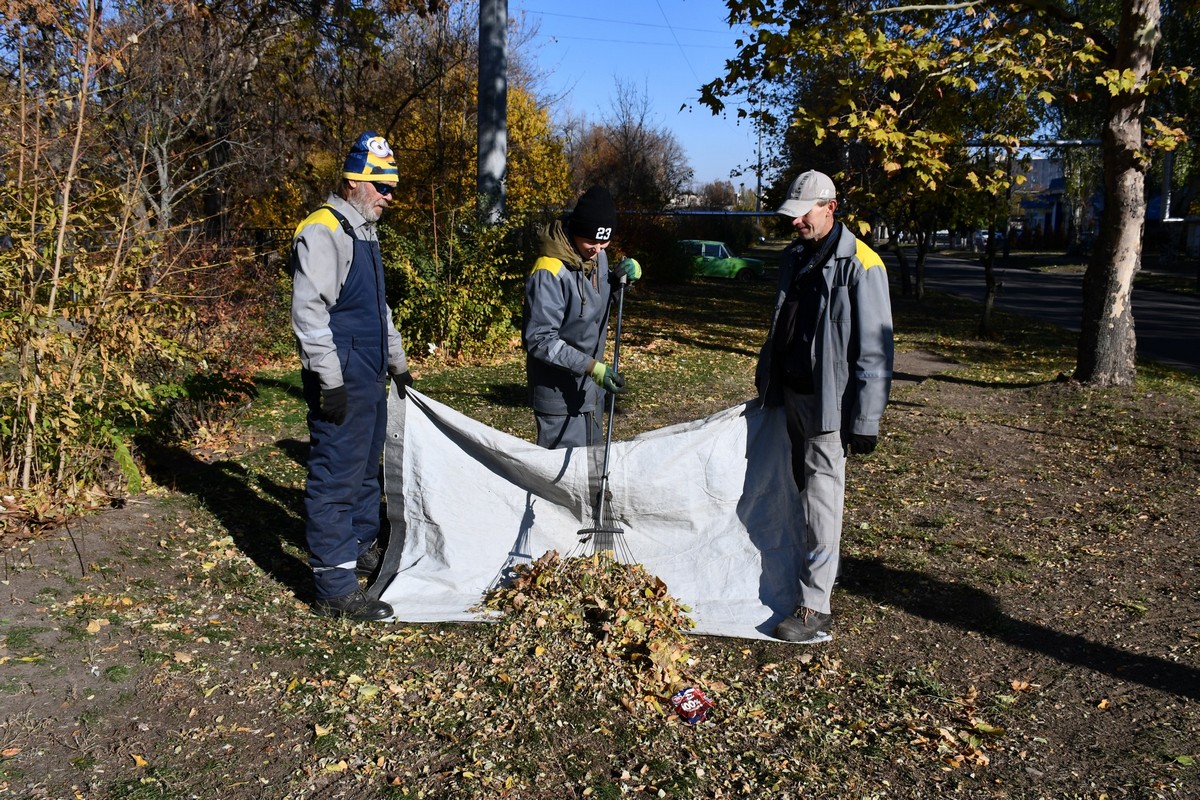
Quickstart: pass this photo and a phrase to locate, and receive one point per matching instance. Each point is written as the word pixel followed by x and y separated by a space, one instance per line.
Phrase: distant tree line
pixel 920 112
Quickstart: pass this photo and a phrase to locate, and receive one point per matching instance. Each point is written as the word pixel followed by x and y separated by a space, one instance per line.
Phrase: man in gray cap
pixel 565 322
pixel 828 361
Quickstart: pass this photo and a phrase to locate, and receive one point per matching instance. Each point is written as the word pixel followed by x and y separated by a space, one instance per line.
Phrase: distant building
pixel 1044 219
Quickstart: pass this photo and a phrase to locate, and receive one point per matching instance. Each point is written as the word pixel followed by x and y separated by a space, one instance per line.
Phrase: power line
pixel 676 38
pixel 556 37
pixel 625 21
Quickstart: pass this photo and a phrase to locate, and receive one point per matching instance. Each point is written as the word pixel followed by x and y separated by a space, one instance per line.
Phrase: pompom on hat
pixel 594 216
pixel 371 159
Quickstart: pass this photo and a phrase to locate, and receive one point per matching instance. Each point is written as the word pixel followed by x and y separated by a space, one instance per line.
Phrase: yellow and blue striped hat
pixel 371 159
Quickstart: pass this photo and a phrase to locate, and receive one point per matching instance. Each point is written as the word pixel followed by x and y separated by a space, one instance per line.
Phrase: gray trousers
pixel 819 466
pixel 556 431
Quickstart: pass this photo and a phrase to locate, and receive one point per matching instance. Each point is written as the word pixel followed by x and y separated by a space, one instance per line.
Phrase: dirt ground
pixel 1052 559
pixel 1000 558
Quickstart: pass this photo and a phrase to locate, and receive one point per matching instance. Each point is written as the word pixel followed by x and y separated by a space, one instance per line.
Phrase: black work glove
pixel 403 380
pixel 333 404
pixel 861 445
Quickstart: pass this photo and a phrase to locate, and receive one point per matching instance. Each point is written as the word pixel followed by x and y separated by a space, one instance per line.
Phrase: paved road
pixel 1167 323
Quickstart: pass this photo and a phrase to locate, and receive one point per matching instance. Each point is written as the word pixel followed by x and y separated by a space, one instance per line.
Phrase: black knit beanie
pixel 595 215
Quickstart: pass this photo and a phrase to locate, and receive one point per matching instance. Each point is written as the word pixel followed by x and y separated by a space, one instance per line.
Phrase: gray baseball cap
pixel 804 193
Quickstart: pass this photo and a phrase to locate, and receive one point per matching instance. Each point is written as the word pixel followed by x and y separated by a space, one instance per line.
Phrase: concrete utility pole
pixel 493 108
pixel 758 172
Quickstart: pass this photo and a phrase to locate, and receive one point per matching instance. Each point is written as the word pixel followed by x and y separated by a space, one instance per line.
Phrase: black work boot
pixel 368 562
pixel 355 606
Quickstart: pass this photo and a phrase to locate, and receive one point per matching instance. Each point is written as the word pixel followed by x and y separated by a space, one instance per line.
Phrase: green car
pixel 716 260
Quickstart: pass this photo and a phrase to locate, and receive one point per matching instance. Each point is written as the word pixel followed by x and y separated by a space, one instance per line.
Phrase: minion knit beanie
pixel 371 159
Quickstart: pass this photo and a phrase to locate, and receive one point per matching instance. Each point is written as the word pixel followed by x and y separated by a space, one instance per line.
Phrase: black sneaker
pixel 355 606
pixel 805 626
pixel 368 562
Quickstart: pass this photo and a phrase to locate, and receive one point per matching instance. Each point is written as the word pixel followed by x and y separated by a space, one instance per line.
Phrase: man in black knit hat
pixel 565 322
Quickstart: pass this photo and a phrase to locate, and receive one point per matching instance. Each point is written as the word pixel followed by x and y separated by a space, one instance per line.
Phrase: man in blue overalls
pixel 348 346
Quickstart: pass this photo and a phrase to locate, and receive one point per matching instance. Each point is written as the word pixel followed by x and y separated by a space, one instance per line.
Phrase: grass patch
pixel 22 640
pixel 118 673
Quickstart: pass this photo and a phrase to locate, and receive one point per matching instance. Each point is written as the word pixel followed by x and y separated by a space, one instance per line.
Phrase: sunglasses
pixel 383 188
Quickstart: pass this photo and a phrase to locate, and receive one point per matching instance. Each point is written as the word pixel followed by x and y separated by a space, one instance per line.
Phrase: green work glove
pixel 608 379
pixel 628 268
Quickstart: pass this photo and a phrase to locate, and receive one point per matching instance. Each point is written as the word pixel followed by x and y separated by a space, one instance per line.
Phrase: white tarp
pixel 708 506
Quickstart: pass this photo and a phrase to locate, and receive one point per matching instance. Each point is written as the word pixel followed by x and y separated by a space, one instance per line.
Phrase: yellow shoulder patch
pixel 552 265
pixel 867 256
pixel 322 216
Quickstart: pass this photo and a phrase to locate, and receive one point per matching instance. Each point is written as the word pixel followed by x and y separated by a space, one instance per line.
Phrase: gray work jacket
pixel 852 351
pixel 321 257
pixel 564 325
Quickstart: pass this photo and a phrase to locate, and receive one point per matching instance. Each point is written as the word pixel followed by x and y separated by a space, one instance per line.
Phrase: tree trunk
pixel 1107 343
pixel 215 197
pixel 923 239
pixel 906 287
pixel 991 288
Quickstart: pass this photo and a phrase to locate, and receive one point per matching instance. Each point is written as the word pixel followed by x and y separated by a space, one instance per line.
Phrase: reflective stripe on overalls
pixel 341 497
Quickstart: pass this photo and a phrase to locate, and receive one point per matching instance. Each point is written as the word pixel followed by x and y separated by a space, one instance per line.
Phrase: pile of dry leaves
pixel 594 627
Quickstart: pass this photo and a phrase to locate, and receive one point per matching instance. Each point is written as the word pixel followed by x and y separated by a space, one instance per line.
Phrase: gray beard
pixel 369 213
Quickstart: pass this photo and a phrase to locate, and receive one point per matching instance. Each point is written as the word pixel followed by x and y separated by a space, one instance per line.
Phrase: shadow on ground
pixel 260 524
pixel 973 610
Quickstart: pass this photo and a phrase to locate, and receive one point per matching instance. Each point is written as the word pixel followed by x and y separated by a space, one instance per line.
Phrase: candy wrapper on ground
pixel 692 704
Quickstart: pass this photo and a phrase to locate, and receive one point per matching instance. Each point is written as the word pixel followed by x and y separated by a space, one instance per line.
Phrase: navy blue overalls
pixel 341 497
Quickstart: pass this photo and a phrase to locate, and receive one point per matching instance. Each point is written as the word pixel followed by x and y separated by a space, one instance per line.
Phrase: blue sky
pixel 663 49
